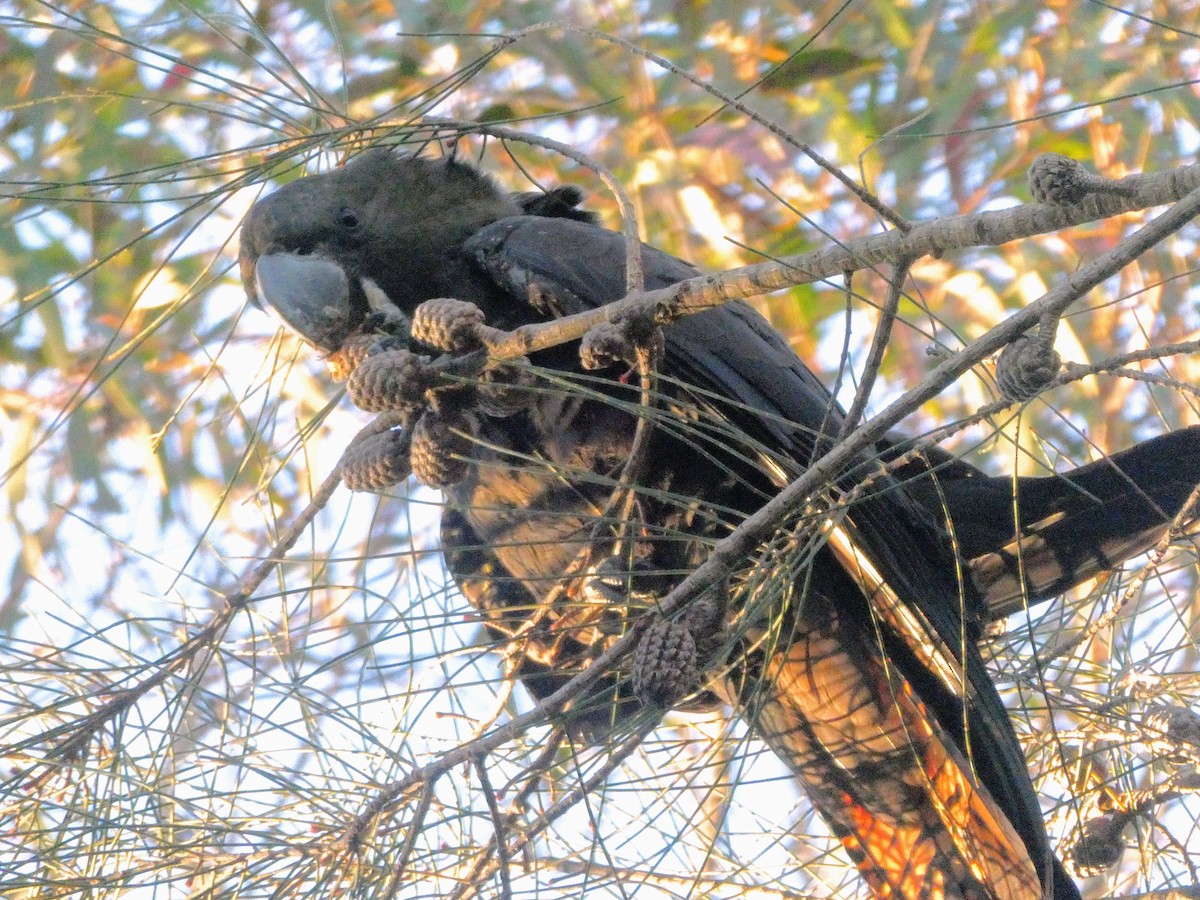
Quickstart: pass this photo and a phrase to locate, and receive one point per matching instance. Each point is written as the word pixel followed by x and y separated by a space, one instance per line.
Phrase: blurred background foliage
pixel 157 434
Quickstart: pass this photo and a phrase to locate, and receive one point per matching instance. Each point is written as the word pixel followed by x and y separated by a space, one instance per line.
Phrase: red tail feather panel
pixel 888 780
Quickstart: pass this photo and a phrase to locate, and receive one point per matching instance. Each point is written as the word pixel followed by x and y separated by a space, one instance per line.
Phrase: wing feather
pixel 934 676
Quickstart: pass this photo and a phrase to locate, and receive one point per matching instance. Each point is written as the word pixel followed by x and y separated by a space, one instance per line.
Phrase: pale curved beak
pixel 310 294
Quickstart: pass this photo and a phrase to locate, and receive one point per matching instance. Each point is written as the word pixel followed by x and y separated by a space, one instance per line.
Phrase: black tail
pixel 1070 527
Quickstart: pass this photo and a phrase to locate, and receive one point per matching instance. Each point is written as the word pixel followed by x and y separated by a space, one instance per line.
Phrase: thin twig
pixel 78 733
pixel 883 333
pixel 413 832
pixel 568 800
pixel 499 840
pixel 868 198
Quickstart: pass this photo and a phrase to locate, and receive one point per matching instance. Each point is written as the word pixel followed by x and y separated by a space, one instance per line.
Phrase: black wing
pixel 732 353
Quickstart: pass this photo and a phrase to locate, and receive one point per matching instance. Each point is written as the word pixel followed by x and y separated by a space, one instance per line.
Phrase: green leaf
pixel 815 64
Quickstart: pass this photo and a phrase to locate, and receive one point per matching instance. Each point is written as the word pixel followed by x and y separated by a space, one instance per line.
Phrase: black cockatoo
pixel 861 671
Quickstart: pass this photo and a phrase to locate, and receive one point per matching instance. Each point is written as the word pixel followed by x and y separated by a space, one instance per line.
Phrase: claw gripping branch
pixel 619 341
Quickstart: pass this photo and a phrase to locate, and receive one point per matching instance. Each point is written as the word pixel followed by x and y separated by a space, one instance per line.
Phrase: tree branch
pixel 930 238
